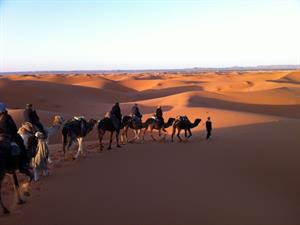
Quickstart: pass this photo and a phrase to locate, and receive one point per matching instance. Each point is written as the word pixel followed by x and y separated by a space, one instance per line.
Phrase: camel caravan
pixel 26 149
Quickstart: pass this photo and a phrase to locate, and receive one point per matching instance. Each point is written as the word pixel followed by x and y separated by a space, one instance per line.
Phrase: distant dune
pixel 256 120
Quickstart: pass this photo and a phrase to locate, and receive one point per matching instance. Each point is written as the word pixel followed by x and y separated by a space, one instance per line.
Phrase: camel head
pixel 169 123
pixel 27 128
pixel 58 120
pixel 91 124
pixel 196 123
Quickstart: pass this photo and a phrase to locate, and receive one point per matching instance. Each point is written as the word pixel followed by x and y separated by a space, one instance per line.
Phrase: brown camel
pixel 183 123
pixel 107 124
pixel 130 122
pixel 152 124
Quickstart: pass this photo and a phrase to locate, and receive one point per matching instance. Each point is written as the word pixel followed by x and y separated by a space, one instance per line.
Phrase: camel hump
pixel 78 118
pixel 182 118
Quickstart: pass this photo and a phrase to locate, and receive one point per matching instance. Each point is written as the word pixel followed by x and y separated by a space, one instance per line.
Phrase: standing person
pixel 9 128
pixel 30 115
pixel 137 116
pixel 208 127
pixel 116 115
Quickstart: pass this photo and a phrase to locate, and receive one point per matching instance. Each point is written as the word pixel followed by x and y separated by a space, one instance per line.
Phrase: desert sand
pixel 248 173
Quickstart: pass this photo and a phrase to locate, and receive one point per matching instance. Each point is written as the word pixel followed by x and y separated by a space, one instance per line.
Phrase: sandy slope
pixel 245 175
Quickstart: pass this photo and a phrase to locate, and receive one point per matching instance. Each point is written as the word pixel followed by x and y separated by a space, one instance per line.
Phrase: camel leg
pixel 69 143
pixel 135 135
pixel 173 132
pixel 117 139
pixel 122 136
pixel 190 133
pixel 17 187
pixel 80 150
pixel 164 136
pixel 101 134
pixel 80 141
pixel 151 134
pixel 138 134
pixel 110 140
pixel 178 135
pixel 5 210
pixel 126 134
pixel 64 146
pixel 146 128
pixel 185 133
pixel 159 133
pixel 30 175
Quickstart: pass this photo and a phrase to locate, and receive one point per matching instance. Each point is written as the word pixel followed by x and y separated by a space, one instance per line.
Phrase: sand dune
pixel 256 118
pixel 292 77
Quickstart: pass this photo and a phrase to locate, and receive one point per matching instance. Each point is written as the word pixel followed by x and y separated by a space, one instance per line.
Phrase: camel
pixel 104 125
pixel 76 129
pixel 56 125
pixel 184 124
pixel 36 144
pixel 27 132
pixel 153 123
pixel 129 122
pixel 9 164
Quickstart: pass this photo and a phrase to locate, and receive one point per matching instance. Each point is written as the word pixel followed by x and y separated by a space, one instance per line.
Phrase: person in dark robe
pixel 159 116
pixel 137 116
pixel 116 115
pixel 31 116
pixel 208 127
pixel 9 129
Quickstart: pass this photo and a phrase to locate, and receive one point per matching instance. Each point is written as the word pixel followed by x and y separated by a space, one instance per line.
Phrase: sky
pixel 147 34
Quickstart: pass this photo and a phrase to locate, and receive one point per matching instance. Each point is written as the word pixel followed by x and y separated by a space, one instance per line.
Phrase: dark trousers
pixel 208 134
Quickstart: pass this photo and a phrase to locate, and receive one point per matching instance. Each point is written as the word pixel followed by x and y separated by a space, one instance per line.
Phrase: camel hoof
pixel 119 146
pixel 6 211
pixel 21 202
pixel 109 148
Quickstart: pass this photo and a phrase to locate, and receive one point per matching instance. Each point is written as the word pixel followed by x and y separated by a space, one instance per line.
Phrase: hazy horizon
pixel 73 35
pixel 193 69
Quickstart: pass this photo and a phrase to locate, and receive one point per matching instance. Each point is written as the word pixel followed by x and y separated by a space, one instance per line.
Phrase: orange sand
pixel 247 174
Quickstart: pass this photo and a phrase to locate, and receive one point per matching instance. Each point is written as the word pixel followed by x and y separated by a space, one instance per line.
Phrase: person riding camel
pixel 116 116
pixel 30 115
pixel 136 115
pixel 9 129
pixel 159 116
